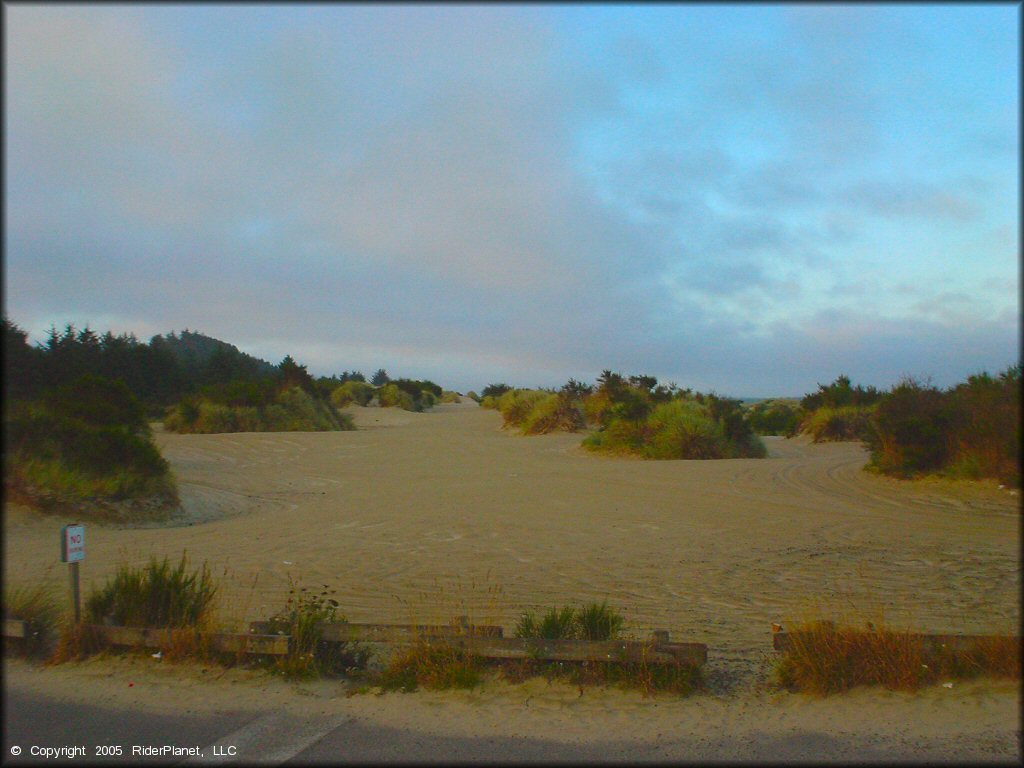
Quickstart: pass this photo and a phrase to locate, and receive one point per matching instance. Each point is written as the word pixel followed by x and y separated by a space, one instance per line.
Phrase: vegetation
pixel 40 609
pixel 839 411
pixel 836 424
pixel 596 621
pixel 303 619
pixel 435 666
pixel 969 431
pixel 84 445
pixel 824 659
pixel 774 417
pixel 352 392
pixel 157 595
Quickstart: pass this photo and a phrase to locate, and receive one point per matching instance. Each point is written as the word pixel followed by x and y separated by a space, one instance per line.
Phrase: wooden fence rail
pixel 15 628
pixel 489 642
pixel 274 645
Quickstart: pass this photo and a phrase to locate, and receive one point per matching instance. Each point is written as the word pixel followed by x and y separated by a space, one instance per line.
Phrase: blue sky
pixel 751 199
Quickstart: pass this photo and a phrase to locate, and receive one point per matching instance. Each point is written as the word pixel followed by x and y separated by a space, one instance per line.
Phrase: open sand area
pixel 422 517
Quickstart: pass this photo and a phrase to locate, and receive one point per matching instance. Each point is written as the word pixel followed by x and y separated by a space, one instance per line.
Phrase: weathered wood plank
pixel 577 650
pixel 15 628
pixel 781 640
pixel 382 633
pixel 224 642
pixel 273 645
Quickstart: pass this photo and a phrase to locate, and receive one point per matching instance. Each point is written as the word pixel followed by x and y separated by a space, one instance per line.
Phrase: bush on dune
pixel 516 404
pixel 390 396
pixel 844 423
pixel 352 391
pixel 84 442
pixel 292 410
pixel 553 412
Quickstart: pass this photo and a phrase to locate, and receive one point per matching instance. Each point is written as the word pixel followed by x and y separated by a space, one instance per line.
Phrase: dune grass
pixel 157 595
pixel 823 658
pixel 40 608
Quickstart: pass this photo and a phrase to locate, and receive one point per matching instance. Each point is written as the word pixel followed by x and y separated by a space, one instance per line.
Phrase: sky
pixel 749 199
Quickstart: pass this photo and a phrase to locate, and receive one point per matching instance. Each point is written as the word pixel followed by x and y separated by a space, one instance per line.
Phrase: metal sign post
pixel 72 551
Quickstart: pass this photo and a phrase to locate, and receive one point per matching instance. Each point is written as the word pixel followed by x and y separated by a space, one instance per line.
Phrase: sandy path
pixel 427 516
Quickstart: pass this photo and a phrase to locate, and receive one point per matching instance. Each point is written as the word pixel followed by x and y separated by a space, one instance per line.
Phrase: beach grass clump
pixel 40 608
pixel 593 621
pixel 303 618
pixel 352 391
pixel 437 666
pixel 448 396
pixel 822 659
pixel 156 595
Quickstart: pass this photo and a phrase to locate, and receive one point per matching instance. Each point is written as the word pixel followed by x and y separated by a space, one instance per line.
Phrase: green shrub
pixel 490 402
pixel 358 392
pixel 293 409
pixel 985 433
pixel 774 417
pixel 453 397
pixel 912 429
pixel 390 396
pixel 553 412
pixel 155 596
pixel 516 404
pixel 850 422
pixel 70 447
pixel 556 624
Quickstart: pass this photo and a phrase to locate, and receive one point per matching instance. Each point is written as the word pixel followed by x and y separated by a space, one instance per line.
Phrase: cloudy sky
pixel 750 199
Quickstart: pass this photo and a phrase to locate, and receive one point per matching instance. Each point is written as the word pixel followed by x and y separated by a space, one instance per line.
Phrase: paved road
pixel 281 737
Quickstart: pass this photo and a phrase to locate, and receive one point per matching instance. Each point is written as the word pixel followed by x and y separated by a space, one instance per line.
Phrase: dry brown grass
pixel 823 658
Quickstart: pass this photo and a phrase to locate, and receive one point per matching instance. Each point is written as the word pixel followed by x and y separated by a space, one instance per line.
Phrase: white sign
pixel 72 543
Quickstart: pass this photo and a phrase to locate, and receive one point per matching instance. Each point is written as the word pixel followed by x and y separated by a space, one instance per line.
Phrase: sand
pixel 422 517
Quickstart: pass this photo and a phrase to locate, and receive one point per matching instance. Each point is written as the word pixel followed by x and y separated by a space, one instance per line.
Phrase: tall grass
pixel 823 659
pixel 157 595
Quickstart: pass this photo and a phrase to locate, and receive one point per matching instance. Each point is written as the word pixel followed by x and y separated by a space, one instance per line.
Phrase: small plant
pixel 597 621
pixel 556 624
pixel 303 619
pixel 39 608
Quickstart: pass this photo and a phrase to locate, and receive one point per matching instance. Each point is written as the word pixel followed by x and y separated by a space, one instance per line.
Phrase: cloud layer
pixel 458 193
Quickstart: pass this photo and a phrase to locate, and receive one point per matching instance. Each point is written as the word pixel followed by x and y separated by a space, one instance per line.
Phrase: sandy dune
pixel 427 516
